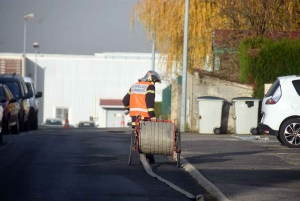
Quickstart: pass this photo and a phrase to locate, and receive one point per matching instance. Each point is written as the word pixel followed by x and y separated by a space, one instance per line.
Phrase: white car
pixel 281 111
pixel 34 103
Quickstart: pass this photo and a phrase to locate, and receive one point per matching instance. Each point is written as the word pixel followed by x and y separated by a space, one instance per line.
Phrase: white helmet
pixel 151 76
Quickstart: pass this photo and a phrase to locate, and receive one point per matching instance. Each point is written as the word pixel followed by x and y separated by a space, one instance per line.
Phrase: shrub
pixel 263 60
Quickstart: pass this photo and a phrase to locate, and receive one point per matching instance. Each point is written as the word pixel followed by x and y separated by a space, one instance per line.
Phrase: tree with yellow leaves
pixel 164 22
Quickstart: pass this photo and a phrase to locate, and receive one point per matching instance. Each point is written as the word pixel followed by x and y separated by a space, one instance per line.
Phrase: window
pixel 272 89
pixel 2 92
pixel 296 84
pixel 8 93
pixel 24 88
pixel 29 88
pixel 14 89
pixel 61 113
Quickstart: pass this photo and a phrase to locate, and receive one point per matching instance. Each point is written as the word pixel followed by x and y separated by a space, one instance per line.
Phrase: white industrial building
pixel 88 87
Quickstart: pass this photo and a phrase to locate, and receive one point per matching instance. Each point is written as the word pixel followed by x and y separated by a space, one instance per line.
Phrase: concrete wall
pixel 203 85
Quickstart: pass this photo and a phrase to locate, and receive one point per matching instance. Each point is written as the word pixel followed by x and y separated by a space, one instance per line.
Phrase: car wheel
pixel 217 131
pixel 27 125
pixel 5 127
pixel 278 138
pixel 289 133
pixel 34 124
pixel 21 123
pixel 254 131
pixel 15 128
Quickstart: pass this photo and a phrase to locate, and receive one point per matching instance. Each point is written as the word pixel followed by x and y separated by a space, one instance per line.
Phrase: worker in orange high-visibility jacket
pixel 140 100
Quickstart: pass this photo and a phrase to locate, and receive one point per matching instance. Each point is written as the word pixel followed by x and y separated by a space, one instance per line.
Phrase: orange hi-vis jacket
pixel 140 101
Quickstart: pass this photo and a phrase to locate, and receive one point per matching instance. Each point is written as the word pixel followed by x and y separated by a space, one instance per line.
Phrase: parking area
pixel 245 167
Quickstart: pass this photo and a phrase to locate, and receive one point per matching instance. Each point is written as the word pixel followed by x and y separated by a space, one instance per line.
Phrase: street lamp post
pixel 184 67
pixel 29 16
pixel 35 45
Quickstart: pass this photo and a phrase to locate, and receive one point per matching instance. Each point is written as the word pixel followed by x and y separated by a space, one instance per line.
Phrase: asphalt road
pixel 84 164
pixel 79 164
pixel 244 168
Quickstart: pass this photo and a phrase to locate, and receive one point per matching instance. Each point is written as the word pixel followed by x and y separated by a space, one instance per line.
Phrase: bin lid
pixel 210 98
pixel 245 99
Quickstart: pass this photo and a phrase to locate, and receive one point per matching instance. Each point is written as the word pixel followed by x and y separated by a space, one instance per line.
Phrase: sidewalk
pixel 243 167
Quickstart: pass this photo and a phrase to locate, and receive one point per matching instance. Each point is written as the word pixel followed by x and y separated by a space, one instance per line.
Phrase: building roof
pixel 230 38
pixel 111 102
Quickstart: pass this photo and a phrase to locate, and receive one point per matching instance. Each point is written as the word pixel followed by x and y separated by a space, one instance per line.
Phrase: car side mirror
pixel 38 94
pixel 2 99
pixel 13 100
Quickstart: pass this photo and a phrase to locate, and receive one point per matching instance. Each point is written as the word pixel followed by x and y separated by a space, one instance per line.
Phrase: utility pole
pixel 35 45
pixel 29 16
pixel 184 68
pixel 153 54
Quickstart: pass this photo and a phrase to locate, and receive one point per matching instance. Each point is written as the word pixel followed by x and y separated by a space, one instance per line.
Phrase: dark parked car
pixel 86 124
pixel 18 88
pixel 53 122
pixel 11 110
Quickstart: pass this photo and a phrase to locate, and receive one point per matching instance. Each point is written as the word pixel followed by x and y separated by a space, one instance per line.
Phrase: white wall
pixel 79 82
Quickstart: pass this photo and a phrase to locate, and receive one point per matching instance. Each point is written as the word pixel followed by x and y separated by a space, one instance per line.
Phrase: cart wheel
pixel 217 131
pixel 130 150
pixel 178 147
pixel 178 160
pixel 254 131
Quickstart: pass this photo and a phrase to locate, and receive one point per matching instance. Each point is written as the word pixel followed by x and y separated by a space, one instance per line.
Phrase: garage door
pixel 114 118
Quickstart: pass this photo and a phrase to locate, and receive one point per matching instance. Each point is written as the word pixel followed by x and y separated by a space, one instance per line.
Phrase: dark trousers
pixel 133 119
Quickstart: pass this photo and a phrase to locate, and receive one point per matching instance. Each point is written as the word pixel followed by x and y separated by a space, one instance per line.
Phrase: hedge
pixel 263 60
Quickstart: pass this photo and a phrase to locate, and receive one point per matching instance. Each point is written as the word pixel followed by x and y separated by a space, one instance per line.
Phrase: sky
pixel 80 27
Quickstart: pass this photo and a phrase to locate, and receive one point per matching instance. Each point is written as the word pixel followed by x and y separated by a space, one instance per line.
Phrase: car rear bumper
pixel 263 128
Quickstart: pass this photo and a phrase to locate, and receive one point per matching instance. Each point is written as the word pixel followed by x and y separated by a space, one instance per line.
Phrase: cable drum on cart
pixel 156 137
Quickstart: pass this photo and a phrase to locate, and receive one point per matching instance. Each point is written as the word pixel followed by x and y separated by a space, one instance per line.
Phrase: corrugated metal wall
pixel 79 82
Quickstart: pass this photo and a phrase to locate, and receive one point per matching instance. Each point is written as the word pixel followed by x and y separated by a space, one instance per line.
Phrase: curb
pixel 203 181
pixel 148 169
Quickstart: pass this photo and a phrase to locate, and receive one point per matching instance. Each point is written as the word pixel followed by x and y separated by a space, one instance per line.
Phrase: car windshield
pixel 30 92
pixel 14 88
pixel 2 92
